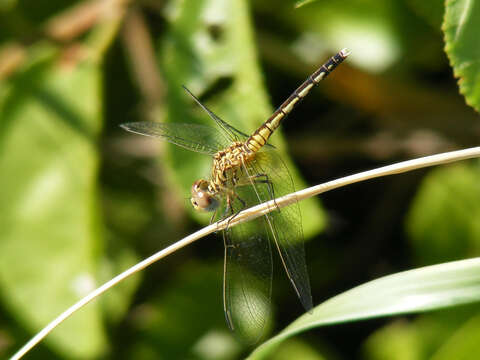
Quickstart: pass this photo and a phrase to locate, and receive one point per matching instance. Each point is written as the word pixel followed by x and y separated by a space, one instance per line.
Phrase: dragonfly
pixel 246 171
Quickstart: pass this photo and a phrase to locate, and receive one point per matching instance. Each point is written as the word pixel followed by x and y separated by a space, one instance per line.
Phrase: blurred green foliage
pixel 80 200
pixel 48 148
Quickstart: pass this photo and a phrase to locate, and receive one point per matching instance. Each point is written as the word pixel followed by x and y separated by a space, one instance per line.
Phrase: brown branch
pixel 78 19
pixel 141 55
pixel 11 56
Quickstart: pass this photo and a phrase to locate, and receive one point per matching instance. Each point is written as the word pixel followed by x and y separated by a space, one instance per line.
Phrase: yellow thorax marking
pixel 225 164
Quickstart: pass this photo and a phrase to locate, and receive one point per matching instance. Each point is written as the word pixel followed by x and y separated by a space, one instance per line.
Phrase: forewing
pixel 248 273
pixel 285 224
pixel 194 137
pixel 232 133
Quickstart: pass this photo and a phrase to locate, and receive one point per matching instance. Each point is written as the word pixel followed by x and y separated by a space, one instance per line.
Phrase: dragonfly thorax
pixel 227 171
pixel 228 166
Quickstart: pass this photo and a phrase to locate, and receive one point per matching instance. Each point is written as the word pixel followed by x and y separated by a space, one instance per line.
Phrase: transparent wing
pixel 232 133
pixel 285 224
pixel 248 273
pixel 194 137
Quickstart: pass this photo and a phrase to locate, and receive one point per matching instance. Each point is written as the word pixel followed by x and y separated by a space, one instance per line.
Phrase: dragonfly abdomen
pixel 261 135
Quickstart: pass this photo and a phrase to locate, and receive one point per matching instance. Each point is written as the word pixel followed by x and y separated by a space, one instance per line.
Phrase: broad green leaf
pixel 49 237
pixel 443 220
pixel 462 44
pixel 209 48
pixel 419 290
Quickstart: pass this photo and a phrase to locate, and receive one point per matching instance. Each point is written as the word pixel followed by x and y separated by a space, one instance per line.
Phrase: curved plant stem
pixel 250 214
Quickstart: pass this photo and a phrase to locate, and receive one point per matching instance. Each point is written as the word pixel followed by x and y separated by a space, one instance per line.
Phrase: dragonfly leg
pixel 244 204
pixel 212 219
pixel 230 208
pixel 228 316
pixel 270 188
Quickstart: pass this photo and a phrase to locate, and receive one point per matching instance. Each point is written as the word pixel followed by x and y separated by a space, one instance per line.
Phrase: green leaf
pixel 397 341
pixel 462 44
pixel 49 238
pixel 448 334
pixel 7 4
pixel 303 3
pixel 213 54
pixel 423 289
pixel 296 349
pixel 443 220
pixel 464 344
pixel 185 320
pixel 366 27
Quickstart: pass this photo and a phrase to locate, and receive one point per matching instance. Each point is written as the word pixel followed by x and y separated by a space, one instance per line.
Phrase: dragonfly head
pixel 201 198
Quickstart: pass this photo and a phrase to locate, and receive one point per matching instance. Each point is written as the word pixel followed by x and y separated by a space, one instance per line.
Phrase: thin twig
pixel 141 55
pixel 81 17
pixel 75 20
pixel 250 214
pixel 11 56
pixel 64 27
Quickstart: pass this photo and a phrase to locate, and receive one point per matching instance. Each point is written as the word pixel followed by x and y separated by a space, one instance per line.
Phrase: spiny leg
pixel 226 310
pixel 270 187
pixel 213 216
pixel 233 213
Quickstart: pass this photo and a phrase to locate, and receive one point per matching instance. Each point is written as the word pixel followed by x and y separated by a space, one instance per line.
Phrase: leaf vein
pixel 463 18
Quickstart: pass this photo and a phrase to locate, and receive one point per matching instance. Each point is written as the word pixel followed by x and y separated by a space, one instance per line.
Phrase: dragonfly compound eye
pixel 201 198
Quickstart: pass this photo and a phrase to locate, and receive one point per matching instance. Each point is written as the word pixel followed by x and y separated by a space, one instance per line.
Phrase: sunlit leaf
pixel 423 289
pixel 443 220
pixel 464 344
pixel 462 44
pixel 303 2
pixel 397 341
pixel 434 335
pixel 296 349
pixel 367 28
pixel 50 119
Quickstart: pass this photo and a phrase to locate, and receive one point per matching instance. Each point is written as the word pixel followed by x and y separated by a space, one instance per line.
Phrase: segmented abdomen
pixel 261 135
